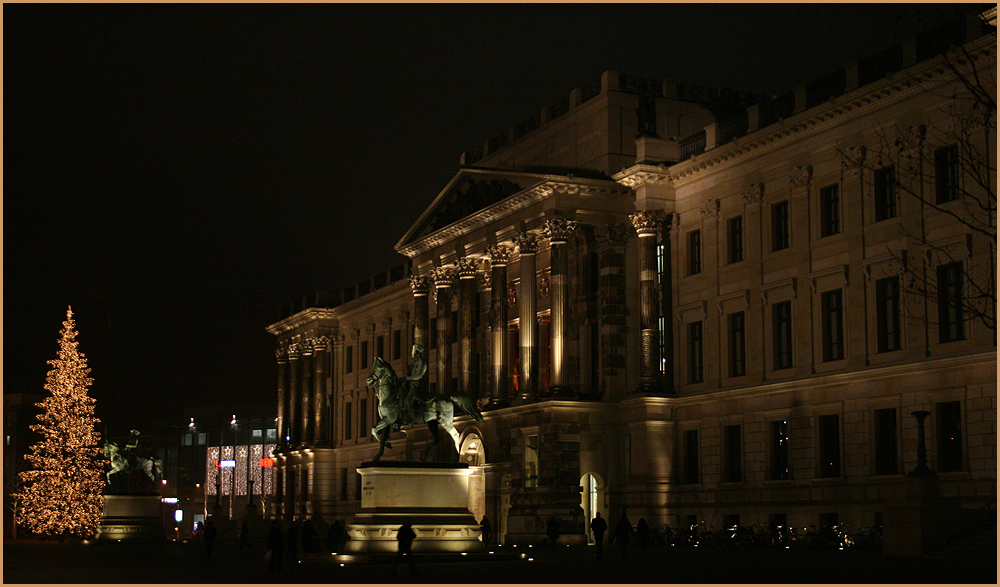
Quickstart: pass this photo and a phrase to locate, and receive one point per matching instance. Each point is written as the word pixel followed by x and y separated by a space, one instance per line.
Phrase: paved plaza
pixel 186 562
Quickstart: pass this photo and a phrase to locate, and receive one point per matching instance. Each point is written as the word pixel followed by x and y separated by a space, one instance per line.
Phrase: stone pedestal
pixel 132 518
pixel 433 497
pixel 918 523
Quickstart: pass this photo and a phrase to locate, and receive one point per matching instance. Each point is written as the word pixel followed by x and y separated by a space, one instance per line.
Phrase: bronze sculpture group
pixel 124 462
pixel 405 401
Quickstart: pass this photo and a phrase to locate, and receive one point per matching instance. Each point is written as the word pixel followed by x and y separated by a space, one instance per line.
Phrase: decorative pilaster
pixel 527 246
pixel 443 277
pixel 558 231
pixel 466 339
pixel 499 258
pixel 612 304
pixel 647 225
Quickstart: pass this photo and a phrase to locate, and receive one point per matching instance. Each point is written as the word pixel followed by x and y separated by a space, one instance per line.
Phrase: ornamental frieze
pixel 800 176
pixel 558 230
pixel 612 234
pixel 648 221
pixel 499 254
pixel 527 243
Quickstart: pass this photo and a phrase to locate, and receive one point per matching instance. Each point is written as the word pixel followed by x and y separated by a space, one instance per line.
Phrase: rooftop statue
pixel 405 401
pixel 124 462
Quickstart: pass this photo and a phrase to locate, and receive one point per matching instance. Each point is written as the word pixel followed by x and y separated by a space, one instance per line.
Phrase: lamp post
pixel 921 470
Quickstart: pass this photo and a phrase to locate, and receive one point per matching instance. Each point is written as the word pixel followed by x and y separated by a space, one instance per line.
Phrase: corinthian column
pixel 282 356
pixel 558 231
pixel 293 394
pixel 499 258
pixel 444 277
pixel 647 225
pixel 319 388
pixel 466 341
pixel 421 285
pixel 527 304
pixel 306 391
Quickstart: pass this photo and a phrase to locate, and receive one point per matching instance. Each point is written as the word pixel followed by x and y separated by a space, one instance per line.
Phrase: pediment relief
pixel 468 198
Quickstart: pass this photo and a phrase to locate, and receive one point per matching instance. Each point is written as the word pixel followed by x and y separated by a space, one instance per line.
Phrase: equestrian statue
pixel 123 459
pixel 405 401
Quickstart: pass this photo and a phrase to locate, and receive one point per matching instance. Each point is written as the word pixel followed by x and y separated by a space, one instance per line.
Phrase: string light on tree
pixel 62 491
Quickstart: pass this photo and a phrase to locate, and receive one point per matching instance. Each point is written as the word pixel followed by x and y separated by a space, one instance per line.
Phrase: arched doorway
pixel 473 454
pixel 592 501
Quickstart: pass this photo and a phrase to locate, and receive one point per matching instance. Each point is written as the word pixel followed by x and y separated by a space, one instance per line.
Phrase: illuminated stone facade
pixel 705 326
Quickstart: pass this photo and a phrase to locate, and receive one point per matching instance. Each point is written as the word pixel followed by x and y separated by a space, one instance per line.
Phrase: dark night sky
pixel 176 173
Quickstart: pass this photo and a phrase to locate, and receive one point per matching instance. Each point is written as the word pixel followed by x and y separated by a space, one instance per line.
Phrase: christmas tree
pixel 61 495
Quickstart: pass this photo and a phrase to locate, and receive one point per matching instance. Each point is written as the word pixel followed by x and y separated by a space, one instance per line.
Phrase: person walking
pixel 487 530
pixel 275 547
pixel 642 535
pixel 552 531
pixel 623 531
pixel 405 536
pixel 598 526
pixel 210 534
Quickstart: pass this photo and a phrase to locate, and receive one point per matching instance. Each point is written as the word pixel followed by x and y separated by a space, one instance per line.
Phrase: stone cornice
pixel 861 101
pixel 552 185
pixel 307 316
pixel 643 174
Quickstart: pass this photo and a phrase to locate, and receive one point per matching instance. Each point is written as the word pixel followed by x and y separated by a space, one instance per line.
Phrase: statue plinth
pixel 132 518
pixel 433 497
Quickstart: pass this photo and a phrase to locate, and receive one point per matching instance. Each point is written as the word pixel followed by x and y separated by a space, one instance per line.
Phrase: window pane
pixel 782 334
pixel 946 173
pixel 887 314
pixel 780 230
pixel 779 450
pixel 735 235
pixel 691 468
pixel 829 445
pixel 949 429
pixel 885 193
pixel 696 371
pixel 886 460
pixel 829 210
pixel 733 454
pixel 833 325
pixel 694 252
pixel 737 344
pixel 951 315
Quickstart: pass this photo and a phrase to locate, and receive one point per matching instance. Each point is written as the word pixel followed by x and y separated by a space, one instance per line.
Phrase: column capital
pixel 467 267
pixel 852 159
pixel 387 323
pixel 558 230
pixel 527 243
pixel 404 316
pixel 370 329
pixel 420 284
pixel 294 351
pixel 753 195
pixel 648 222
pixel 337 340
pixel 443 276
pixel 800 176
pixel 611 234
pixel 499 254
pixel 281 354
pixel 320 342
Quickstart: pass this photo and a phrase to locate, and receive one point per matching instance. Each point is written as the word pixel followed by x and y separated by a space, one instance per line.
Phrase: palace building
pixel 700 304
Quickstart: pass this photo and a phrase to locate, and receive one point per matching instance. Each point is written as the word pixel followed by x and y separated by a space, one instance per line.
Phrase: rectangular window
pixel 696 366
pixel 949 436
pixel 885 193
pixel 397 344
pixel 364 355
pixel 348 427
pixel 951 314
pixel 348 359
pixel 832 304
pixel 829 210
pixel 531 461
pixel 886 444
pixel 887 315
pixel 380 346
pixel 779 462
pixel 343 484
pixel 781 325
pixel 946 173
pixel 829 445
pixel 735 236
pixel 362 415
pixel 694 252
pixel 737 344
pixel 272 435
pixel 781 235
pixel 733 454
pixel 691 468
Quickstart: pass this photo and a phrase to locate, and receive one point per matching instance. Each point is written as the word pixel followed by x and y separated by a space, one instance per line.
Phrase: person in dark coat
pixel 642 535
pixel 244 535
pixel 623 531
pixel 598 526
pixel 405 536
pixel 276 545
pixel 210 534
pixel 487 530
pixel 552 531
pixel 293 542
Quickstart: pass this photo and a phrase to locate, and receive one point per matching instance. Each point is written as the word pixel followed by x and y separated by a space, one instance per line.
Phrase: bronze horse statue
pixel 396 411
pixel 124 460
